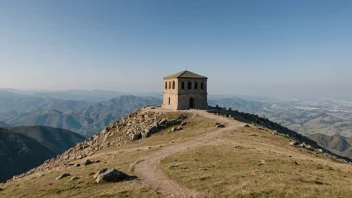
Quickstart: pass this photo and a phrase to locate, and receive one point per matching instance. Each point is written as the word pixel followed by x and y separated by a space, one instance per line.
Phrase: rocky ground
pixel 128 158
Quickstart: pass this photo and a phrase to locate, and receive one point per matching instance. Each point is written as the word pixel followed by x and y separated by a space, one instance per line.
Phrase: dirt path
pixel 148 172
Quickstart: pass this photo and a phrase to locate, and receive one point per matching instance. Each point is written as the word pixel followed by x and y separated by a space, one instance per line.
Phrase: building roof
pixel 185 74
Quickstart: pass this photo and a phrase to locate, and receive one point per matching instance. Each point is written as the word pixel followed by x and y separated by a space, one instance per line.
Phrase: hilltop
pixel 180 153
pixel 23 148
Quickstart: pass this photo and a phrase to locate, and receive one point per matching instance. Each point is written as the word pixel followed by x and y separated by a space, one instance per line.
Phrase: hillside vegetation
pixel 23 148
pixel 239 160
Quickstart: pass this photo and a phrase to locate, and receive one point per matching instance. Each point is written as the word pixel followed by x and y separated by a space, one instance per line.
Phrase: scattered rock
pixel 163 122
pixel 74 178
pixel 1 189
pixel 87 162
pixel 182 116
pixel 296 163
pixel 106 129
pixel 219 125
pixel 99 172
pixel 63 176
pixel 110 175
pixel 247 125
pixel 183 123
pixel 179 128
pixel 318 182
pixel 76 165
pixel 262 162
pixel 173 166
pixel 294 143
pixel 173 129
pixel 136 136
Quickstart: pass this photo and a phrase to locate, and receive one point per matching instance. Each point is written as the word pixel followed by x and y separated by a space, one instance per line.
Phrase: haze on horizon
pixel 244 47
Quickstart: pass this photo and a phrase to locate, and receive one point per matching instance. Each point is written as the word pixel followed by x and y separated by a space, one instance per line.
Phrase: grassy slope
pixel 255 163
pixel 44 184
pixel 225 166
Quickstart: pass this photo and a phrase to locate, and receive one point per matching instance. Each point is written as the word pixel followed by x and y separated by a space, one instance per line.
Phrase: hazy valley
pixel 22 148
pixel 84 117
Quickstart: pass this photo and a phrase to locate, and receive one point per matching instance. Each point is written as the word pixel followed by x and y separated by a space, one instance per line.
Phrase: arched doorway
pixel 191 103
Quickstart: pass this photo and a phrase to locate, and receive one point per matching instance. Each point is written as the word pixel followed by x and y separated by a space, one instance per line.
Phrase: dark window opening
pixel 169 100
pixel 173 84
pixel 201 85
pixel 169 85
pixel 191 103
pixel 195 85
pixel 189 85
pixel 183 85
pixel 165 85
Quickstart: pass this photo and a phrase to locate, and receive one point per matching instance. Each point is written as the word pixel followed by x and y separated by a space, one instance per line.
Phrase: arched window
pixel 169 100
pixel 165 85
pixel 170 85
pixel 183 85
pixel 173 84
pixel 202 85
pixel 189 85
pixel 195 85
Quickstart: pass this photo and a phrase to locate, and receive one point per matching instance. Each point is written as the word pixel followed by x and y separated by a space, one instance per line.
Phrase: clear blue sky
pixel 244 47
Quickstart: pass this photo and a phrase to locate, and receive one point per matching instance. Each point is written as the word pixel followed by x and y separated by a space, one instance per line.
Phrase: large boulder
pixel 163 122
pixel 87 162
pixel 110 175
pixel 136 136
pixel 63 176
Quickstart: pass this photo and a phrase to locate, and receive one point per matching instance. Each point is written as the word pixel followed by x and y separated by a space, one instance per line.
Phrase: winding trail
pixel 146 169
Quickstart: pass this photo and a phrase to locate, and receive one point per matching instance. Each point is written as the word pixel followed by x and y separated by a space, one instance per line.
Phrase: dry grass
pixel 245 163
pixel 121 158
pixel 47 186
pixel 252 163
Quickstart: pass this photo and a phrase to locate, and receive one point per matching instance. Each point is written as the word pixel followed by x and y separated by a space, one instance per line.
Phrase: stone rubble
pixel 135 126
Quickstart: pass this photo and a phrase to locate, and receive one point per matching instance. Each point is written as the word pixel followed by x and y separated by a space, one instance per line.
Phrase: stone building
pixel 185 90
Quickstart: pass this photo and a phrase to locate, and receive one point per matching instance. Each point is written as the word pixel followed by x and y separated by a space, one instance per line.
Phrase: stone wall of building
pixel 179 91
pixel 170 94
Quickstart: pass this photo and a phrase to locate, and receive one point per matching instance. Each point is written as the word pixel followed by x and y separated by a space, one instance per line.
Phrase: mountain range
pixel 22 148
pixel 83 117
pixel 335 143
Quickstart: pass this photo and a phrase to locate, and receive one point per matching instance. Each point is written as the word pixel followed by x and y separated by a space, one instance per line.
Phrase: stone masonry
pixel 185 90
